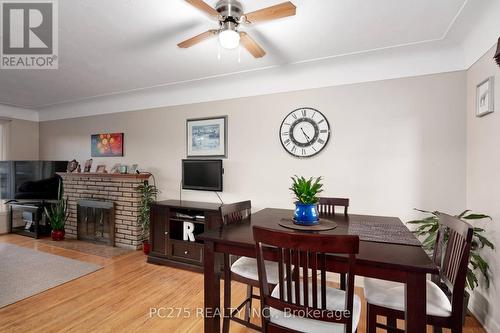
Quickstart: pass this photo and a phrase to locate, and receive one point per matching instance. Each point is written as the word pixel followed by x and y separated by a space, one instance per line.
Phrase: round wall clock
pixel 304 132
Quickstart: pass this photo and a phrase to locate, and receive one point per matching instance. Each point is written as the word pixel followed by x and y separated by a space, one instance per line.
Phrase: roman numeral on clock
pixel 304 113
pixel 294 149
pixel 321 141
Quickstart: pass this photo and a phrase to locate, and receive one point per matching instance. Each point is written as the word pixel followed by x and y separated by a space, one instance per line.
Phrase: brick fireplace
pixel 110 188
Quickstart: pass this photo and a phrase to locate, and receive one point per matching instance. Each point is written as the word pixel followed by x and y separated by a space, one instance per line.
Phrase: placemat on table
pixel 383 233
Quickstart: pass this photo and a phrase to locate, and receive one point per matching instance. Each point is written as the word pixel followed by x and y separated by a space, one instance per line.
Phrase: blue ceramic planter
pixel 306 214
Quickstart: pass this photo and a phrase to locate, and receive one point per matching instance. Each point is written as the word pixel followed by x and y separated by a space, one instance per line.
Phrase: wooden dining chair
pixel 387 299
pixel 327 206
pixel 243 270
pixel 303 304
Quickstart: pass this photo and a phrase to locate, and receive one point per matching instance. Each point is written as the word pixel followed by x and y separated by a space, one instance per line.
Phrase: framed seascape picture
pixel 206 137
pixel 484 97
pixel 106 145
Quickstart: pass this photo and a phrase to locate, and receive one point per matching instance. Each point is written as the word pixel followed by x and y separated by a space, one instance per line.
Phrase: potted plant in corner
pixel 305 190
pixel 148 196
pixel 58 215
pixel 428 228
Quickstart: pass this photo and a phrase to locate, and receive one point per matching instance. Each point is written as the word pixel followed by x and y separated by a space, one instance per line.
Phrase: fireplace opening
pixel 96 221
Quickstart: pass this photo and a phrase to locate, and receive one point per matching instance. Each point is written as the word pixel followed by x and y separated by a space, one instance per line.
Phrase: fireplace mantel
pixel 143 176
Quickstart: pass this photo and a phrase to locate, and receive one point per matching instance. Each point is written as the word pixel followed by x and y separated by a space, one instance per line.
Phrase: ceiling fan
pixel 230 15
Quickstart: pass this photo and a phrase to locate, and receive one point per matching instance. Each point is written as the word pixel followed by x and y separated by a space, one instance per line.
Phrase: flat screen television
pixel 203 175
pixel 33 180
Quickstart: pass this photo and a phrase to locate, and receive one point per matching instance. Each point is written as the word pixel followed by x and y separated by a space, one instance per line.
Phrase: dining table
pixel 387 250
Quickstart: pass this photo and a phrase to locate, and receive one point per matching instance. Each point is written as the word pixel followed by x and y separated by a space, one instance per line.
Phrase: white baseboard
pixel 479 310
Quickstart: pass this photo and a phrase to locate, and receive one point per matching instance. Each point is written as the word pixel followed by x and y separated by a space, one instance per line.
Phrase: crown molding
pixel 468 37
pixel 412 60
pixel 16 112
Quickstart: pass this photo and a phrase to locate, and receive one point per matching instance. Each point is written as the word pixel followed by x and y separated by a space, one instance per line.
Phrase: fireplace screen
pixel 96 221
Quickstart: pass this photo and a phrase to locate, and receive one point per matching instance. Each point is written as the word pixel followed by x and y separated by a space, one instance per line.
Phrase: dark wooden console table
pixel 395 262
pixel 168 218
pixel 28 218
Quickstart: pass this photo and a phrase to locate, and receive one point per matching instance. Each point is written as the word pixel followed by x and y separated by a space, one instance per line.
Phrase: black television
pixel 202 175
pixel 30 180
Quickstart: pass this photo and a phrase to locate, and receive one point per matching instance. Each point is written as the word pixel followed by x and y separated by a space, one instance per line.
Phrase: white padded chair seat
pixel 247 267
pixel 392 295
pixel 335 299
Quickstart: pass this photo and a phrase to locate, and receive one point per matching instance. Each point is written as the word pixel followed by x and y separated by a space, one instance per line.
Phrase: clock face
pixel 304 132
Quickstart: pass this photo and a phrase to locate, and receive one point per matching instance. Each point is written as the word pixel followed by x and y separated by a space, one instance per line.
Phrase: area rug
pixel 25 272
pixel 87 247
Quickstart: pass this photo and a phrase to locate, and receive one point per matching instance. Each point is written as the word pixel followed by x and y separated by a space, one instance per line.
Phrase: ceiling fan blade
pixel 196 39
pixel 270 13
pixel 204 7
pixel 251 45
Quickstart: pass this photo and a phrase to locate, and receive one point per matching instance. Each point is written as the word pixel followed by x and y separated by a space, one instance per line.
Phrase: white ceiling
pixel 115 46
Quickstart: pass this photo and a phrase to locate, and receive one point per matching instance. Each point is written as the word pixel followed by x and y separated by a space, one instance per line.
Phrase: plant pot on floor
pixel 146 247
pixel 57 235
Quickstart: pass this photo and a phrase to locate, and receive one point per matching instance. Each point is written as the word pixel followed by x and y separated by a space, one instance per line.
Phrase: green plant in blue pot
pixel 305 190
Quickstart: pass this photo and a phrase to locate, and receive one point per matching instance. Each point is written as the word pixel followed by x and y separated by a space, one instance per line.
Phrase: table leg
pixel 416 303
pixel 211 290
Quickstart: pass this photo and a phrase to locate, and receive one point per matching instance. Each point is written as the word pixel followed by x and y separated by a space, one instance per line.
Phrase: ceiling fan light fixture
pixel 229 39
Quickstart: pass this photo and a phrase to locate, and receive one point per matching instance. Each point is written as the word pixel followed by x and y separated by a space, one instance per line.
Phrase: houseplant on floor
pixel 58 215
pixel 428 228
pixel 305 190
pixel 148 196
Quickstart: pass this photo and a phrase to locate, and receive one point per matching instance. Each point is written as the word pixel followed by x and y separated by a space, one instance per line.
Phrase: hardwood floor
pixel 120 297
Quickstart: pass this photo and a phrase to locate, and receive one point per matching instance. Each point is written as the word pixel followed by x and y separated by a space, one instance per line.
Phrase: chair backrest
pixel 454 238
pixel 302 250
pixel 327 205
pixel 235 212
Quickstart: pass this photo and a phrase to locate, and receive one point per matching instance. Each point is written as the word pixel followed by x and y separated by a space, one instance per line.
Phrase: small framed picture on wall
pixel 484 97
pixel 206 137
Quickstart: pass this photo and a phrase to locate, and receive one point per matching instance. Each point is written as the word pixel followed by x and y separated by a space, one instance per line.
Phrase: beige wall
pixel 23 140
pixel 483 181
pixel 23 145
pixel 395 145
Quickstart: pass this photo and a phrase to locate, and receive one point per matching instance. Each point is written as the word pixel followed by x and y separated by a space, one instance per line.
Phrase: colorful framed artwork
pixel 206 137
pixel 106 145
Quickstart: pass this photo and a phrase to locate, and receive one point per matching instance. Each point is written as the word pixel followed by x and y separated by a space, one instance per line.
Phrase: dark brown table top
pixel 386 255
